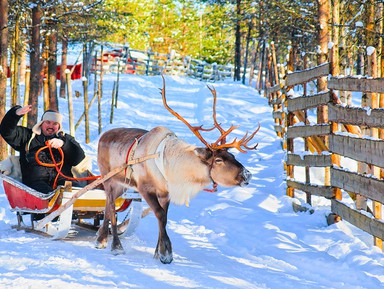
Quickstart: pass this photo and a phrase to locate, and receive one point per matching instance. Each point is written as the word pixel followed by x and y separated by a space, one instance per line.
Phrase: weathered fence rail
pixel 152 63
pixel 348 147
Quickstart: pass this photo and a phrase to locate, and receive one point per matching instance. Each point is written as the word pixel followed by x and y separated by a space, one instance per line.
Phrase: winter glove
pixel 56 143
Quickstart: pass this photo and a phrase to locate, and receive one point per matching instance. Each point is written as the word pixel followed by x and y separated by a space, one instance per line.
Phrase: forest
pixel 34 33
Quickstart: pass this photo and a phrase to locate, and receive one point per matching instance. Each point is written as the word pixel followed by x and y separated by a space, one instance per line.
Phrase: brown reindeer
pixel 176 175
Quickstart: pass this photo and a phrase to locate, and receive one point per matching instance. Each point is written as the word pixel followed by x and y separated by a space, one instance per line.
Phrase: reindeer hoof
pixel 101 245
pixel 118 251
pixel 165 259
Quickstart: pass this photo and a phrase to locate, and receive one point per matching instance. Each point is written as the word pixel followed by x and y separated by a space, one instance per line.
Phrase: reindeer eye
pixel 218 160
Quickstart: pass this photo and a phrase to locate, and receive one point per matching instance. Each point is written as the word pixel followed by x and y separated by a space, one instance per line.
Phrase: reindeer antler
pixel 194 129
pixel 243 142
pixel 224 133
pixel 220 143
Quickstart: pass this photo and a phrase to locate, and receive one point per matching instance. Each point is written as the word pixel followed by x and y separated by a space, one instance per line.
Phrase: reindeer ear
pixel 203 153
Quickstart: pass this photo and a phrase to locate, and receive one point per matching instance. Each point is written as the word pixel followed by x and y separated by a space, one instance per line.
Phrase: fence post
pixel 116 94
pixel 215 72
pixel 334 126
pixel 147 66
pixel 113 99
pixel 99 106
pixel 86 108
pixel 306 147
pixel 70 104
pixel 374 132
pixel 274 63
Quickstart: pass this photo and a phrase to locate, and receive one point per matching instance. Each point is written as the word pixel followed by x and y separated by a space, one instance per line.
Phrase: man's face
pixel 49 128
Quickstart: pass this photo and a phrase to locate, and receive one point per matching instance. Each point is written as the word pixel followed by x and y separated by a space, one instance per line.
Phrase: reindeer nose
pixel 246 176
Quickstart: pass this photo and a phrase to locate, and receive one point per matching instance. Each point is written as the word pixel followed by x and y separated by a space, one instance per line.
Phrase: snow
pixel 370 50
pixel 246 237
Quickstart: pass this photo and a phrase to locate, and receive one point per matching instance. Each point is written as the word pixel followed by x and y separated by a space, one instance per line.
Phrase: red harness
pixel 129 152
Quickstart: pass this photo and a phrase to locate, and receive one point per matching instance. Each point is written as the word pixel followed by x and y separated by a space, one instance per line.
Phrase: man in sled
pixel 28 141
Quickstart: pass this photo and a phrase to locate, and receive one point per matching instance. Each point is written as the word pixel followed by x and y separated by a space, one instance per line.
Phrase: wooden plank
pixel 278 128
pixel 357 84
pixel 306 102
pixel 278 114
pixel 309 160
pixel 308 130
pixel 359 219
pixel 278 101
pixel 358 183
pixel 364 150
pixel 303 76
pixel 356 116
pixel 273 89
pixel 322 191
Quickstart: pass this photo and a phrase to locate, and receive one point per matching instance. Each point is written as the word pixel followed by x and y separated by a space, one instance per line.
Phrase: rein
pixel 59 165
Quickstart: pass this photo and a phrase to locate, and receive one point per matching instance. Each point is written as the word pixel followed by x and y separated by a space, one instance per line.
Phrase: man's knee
pixel 41 187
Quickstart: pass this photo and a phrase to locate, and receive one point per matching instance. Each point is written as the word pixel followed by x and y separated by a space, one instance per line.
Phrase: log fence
pixel 152 63
pixel 348 148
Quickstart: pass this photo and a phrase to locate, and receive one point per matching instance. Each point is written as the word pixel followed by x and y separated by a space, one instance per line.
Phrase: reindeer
pixel 176 174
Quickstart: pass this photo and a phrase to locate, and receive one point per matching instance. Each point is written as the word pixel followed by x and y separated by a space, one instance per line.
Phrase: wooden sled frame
pixel 91 204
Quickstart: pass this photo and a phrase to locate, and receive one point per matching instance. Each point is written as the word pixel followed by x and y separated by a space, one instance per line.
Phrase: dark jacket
pixel 39 177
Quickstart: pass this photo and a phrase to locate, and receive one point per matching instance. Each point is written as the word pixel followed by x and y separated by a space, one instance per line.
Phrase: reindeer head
pixel 224 168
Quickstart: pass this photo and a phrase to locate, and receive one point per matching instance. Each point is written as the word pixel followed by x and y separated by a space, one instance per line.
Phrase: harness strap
pixel 214 184
pixel 160 150
pixel 129 156
pixel 214 188
pixel 160 161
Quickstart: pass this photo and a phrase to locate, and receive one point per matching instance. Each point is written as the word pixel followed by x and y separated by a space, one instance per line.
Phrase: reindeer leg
pixel 116 247
pixel 160 207
pixel 102 233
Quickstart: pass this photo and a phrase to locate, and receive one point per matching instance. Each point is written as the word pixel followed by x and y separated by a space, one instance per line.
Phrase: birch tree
pixel 3 68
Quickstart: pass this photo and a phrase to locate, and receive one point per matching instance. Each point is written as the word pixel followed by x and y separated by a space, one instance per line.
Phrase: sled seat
pixel 24 199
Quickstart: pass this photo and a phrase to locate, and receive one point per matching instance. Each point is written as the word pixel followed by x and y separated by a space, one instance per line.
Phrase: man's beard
pixel 49 132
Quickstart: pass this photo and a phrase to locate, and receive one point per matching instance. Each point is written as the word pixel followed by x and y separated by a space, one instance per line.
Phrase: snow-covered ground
pixel 236 238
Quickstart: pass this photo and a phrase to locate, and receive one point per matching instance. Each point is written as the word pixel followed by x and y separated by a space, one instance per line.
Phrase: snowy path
pixel 236 238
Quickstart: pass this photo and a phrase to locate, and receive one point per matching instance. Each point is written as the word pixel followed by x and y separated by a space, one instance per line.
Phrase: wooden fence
pixel 153 63
pixel 348 148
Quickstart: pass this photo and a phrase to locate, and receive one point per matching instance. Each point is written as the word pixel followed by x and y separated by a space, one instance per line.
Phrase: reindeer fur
pixel 180 172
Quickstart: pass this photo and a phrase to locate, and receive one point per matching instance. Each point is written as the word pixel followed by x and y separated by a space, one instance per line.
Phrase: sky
pixel 239 237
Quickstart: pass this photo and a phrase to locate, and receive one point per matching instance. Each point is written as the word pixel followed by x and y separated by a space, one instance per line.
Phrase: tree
pixel 237 61
pixel 35 63
pixel 3 68
pixel 323 39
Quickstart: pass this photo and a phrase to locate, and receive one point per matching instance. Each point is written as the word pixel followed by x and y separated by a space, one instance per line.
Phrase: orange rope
pixel 58 165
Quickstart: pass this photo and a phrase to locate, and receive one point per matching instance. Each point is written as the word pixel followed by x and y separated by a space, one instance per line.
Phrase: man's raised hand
pixel 24 110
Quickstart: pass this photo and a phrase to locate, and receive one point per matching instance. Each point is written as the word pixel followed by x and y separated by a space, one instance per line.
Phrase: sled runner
pixel 89 205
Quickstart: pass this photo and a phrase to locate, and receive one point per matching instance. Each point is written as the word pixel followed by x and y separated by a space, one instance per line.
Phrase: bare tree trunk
pixel 236 76
pixel 370 7
pixel 335 37
pixel 250 26
pixel 323 13
pixel 15 71
pixel 63 67
pixel 254 52
pixel 52 69
pixel 23 63
pixel 3 68
pixel 36 65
